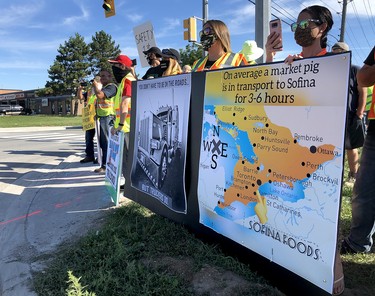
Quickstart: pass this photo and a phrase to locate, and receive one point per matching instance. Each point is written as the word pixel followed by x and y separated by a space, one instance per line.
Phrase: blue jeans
pixel 89 137
pixel 363 203
pixel 105 125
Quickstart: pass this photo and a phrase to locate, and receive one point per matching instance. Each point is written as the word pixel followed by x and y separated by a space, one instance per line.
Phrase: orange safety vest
pixel 229 59
pixel 371 113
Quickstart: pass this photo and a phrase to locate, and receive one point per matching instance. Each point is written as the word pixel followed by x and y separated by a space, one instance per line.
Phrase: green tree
pixel 71 65
pixel 190 54
pixel 102 48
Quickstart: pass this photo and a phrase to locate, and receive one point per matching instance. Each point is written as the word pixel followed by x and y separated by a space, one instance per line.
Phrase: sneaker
pixel 346 249
pixel 100 170
pixel 87 159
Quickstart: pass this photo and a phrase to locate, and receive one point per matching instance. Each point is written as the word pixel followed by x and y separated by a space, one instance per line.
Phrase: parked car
pixel 10 109
pixel 26 111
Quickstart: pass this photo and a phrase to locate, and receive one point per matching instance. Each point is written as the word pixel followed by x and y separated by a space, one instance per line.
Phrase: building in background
pixel 32 104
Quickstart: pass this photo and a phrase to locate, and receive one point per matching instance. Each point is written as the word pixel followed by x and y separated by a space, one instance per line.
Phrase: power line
pixel 293 19
pixel 359 21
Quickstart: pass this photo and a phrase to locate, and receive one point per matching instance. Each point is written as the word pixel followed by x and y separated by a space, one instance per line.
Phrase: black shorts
pixel 355 133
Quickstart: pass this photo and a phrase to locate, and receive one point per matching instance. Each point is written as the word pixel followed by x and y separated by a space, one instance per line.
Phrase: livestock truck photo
pixel 158 143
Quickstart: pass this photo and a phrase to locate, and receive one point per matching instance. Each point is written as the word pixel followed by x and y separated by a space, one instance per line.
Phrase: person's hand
pixel 291 58
pixel 116 130
pixel 359 114
pixel 273 41
pixel 261 208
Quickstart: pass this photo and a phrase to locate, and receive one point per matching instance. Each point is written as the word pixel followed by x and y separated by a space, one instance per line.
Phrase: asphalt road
pixel 46 198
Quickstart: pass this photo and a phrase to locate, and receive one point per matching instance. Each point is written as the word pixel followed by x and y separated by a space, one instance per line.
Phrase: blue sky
pixel 32 30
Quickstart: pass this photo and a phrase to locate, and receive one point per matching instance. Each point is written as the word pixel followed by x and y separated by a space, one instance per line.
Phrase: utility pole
pixel 205 11
pixel 262 19
pixel 343 19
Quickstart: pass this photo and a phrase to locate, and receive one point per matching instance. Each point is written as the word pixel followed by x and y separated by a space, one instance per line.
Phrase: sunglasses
pixel 303 24
pixel 206 31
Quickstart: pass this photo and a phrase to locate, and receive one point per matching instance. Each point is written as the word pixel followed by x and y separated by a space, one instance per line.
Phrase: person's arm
pixel 273 41
pixel 366 76
pixel 362 97
pixel 79 93
pixel 100 95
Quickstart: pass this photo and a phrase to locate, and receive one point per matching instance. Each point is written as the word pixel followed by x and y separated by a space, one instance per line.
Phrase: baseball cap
pixel 154 49
pixel 341 45
pixel 170 53
pixel 122 59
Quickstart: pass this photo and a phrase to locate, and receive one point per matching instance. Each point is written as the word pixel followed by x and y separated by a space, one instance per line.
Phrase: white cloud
pixel 74 20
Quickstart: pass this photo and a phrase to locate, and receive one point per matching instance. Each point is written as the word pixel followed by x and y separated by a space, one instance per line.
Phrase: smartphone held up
pixel 275 26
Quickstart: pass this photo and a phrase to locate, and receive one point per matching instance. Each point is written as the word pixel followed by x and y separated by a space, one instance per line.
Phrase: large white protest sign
pixel 145 39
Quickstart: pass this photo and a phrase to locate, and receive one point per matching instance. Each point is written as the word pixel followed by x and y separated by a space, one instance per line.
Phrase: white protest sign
pixel 145 39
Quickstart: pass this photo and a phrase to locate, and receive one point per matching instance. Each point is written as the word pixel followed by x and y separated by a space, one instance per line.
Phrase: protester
pixel 360 238
pixel 169 65
pixel 355 130
pixel 87 99
pixel 170 62
pixel 215 39
pixel 153 56
pixel 251 51
pixel 186 69
pixel 104 111
pixel 310 32
pixel 123 71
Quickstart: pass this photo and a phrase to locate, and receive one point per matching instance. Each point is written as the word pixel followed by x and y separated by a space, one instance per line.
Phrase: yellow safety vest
pixel 117 102
pixel 105 107
pixel 371 113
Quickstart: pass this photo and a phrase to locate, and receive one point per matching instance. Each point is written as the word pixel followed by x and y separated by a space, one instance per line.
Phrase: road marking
pixel 19 218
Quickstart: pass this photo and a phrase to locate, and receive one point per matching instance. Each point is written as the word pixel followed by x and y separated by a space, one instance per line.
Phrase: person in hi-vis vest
pixel 88 98
pixel 104 111
pixel 215 39
pixel 360 238
pixel 124 73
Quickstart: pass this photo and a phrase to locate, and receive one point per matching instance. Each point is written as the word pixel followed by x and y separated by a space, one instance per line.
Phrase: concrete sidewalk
pixel 45 208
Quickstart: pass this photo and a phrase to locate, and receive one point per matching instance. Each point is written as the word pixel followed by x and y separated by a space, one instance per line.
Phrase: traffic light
pixel 191 25
pixel 109 8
